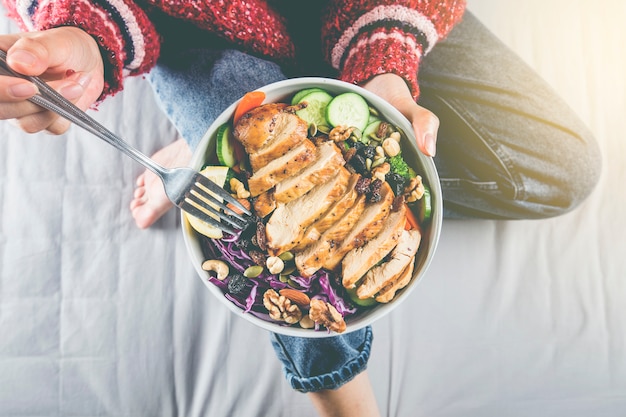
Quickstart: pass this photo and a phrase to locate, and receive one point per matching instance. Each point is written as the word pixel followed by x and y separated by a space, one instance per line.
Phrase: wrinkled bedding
pixel 525 318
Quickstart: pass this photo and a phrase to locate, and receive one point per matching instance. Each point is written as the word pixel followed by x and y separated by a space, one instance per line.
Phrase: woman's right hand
pixel 67 58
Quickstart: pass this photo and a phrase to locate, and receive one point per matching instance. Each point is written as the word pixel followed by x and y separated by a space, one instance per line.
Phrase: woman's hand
pixel 394 90
pixel 67 58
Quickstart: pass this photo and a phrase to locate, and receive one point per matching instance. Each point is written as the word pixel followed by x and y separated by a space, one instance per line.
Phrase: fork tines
pixel 204 201
pixel 210 186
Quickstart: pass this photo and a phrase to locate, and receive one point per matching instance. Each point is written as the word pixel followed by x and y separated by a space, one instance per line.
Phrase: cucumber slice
pixel 426 206
pixel 225 146
pixel 298 96
pixel 348 109
pixel 315 110
pixel 371 129
pixel 373 118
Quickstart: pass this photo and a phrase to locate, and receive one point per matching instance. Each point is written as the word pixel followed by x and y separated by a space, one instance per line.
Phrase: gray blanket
pixel 99 318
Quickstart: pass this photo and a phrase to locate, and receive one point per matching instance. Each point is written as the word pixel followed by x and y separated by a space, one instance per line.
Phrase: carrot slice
pixel 411 221
pixel 249 101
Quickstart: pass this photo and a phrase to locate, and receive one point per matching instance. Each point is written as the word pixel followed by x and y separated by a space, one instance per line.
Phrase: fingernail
pixel 84 80
pixel 72 91
pixel 22 90
pixel 430 144
pixel 23 57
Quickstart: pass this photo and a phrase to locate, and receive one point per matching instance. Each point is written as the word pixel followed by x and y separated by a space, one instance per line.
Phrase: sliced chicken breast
pixel 380 276
pixel 288 222
pixel 389 291
pixel 359 260
pixel 288 131
pixel 328 161
pixel 368 226
pixel 265 203
pixel 334 213
pixel 292 162
pixel 312 258
pixel 256 126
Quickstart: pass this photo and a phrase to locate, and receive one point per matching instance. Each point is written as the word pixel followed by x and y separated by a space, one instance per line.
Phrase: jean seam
pixel 457 107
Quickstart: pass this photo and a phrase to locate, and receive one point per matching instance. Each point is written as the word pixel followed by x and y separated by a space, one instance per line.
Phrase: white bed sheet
pixel 525 318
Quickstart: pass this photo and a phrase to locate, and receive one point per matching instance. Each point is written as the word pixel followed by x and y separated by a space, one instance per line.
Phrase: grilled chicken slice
pixel 288 222
pixel 338 208
pixel 380 276
pixel 368 226
pixel 298 159
pixel 312 258
pixel 389 291
pixel 256 126
pixel 359 260
pixel 269 130
pixel 265 203
pixel 328 161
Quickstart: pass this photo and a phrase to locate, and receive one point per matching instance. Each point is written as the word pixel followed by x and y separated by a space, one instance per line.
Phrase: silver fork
pixel 189 190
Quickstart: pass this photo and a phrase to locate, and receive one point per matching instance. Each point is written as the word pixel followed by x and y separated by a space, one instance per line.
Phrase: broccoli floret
pixel 400 167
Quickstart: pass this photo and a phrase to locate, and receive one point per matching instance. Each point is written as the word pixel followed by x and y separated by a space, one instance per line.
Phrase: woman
pixel 506 146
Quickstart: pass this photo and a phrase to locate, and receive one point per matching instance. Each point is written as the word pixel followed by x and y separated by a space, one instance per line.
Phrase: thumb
pixel 426 124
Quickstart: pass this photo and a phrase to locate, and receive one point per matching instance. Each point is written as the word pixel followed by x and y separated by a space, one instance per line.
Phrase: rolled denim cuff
pixel 323 363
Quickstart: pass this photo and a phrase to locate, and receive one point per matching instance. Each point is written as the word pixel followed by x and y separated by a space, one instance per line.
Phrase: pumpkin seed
pixel 293 284
pixel 286 256
pixel 378 162
pixel 253 271
pixel 288 270
pixel 324 129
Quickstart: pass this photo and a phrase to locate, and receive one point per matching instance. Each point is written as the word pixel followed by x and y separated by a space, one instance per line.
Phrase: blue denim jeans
pixel 508 148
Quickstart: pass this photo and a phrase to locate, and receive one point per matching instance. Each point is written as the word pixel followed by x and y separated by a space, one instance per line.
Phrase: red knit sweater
pixel 360 38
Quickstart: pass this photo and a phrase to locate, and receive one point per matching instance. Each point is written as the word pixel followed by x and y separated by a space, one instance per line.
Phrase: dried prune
pixel 358 163
pixel 261 238
pixel 237 283
pixel 397 183
pixel 362 185
pixel 258 257
pixel 368 152
pixel 374 194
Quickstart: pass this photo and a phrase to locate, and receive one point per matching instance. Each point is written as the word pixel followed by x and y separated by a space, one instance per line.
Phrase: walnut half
pixel 324 313
pixel 281 308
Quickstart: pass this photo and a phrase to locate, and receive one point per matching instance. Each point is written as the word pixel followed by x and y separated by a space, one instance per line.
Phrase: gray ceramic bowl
pixel 282 91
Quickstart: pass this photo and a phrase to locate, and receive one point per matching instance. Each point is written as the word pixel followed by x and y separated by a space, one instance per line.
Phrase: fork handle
pixel 50 99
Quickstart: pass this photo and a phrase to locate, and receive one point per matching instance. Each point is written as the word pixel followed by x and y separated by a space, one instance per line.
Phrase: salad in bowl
pixel 346 211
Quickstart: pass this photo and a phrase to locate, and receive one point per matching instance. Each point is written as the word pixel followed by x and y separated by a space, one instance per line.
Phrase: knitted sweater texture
pixel 359 38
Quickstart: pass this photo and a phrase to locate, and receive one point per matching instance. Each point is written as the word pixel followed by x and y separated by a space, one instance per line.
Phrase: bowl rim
pixel 427 163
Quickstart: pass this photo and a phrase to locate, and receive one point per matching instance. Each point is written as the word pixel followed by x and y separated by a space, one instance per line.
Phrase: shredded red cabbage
pixel 322 284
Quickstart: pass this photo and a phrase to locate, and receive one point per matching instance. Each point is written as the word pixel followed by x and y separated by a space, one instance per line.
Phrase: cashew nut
pixel 217 266
pixel 238 188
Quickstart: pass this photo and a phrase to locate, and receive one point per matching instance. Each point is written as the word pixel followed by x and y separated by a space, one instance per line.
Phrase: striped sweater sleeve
pixel 128 41
pixel 364 38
